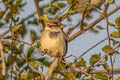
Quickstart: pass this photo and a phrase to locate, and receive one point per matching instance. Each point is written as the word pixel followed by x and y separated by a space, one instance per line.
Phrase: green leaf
pixel 11 59
pixel 61 5
pixel 81 63
pixel 71 67
pixel 111 1
pixel 1 14
pixel 70 12
pixel 111 24
pixel 107 49
pixel 94 30
pixel 23 31
pixel 44 61
pixel 23 77
pixel 37 45
pixel 21 48
pixel 99 27
pixel 106 58
pixel 54 5
pixel 62 66
pixel 44 18
pixel 94 59
pixel 33 35
pixel 101 76
pixel 78 75
pixel 115 34
pixel 30 51
pixel 106 67
pixel 34 65
pixel 117 21
pixel 88 69
pixel 115 42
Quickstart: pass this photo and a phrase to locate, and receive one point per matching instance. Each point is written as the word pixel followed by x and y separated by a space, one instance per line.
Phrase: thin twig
pixel 115 71
pixel 3 60
pixel 78 69
pixel 28 44
pixel 69 31
pixel 92 47
pixel 108 35
pixel 39 12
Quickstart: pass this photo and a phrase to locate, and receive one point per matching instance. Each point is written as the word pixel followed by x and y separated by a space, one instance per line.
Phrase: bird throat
pixel 54 34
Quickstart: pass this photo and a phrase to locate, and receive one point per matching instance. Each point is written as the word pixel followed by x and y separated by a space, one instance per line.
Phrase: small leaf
pixel 30 51
pixel 106 67
pixel 111 24
pixel 106 58
pixel 94 59
pixel 54 5
pixel 61 5
pixel 34 65
pixel 101 76
pixel 94 30
pixel 115 34
pixel 21 47
pixel 115 42
pixel 70 12
pixel 44 18
pixel 107 49
pixel 1 14
pixel 88 69
pixel 16 28
pixel 117 21
pixel 78 75
pixel 62 66
pixel 99 27
pixel 33 35
pixel 81 63
pixel 23 77
pixel 71 67
pixel 37 45
pixel 111 1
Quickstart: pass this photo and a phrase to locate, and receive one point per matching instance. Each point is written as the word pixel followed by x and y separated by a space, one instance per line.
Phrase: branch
pixel 115 71
pixel 39 13
pixel 53 66
pixel 93 47
pixel 3 60
pixel 37 7
pixel 6 37
pixel 82 71
pixel 92 24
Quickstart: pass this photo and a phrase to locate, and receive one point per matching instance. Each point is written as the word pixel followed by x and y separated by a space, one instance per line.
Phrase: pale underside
pixel 53 43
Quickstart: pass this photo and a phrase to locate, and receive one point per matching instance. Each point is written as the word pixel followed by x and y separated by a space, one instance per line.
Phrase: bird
pixel 53 43
pixel 53 40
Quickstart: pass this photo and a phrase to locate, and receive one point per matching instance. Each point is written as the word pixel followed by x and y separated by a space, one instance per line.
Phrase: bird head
pixel 53 24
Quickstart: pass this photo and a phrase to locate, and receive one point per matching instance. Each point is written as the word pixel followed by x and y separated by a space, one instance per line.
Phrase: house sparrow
pixel 53 40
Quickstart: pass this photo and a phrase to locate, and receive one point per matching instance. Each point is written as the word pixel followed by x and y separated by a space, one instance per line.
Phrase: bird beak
pixel 62 26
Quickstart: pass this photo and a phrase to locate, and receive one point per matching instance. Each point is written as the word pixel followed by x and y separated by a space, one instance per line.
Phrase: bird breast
pixel 54 42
